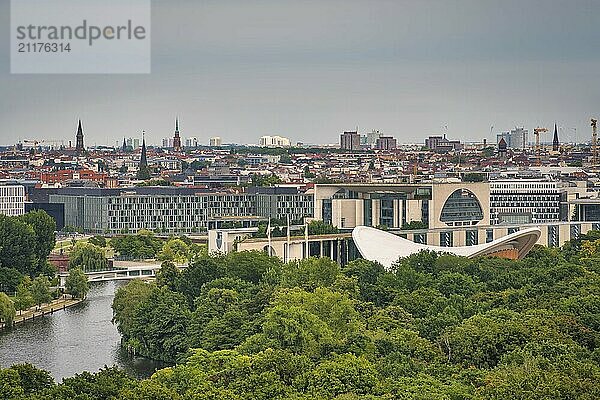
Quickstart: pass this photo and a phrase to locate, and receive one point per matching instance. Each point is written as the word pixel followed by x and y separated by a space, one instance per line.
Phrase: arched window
pixel 461 206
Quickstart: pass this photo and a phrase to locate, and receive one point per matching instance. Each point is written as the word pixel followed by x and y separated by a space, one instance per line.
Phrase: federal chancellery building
pixel 461 213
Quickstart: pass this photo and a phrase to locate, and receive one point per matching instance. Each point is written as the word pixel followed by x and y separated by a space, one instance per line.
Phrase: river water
pixel 80 338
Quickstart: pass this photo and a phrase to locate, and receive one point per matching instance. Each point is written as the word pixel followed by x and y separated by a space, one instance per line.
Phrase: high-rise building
pixel 191 142
pixel 515 138
pixel 441 144
pixel 385 143
pixel 350 140
pixel 274 141
pixel 215 141
pixel 12 200
pixel 371 138
pixel 177 138
pixel 79 148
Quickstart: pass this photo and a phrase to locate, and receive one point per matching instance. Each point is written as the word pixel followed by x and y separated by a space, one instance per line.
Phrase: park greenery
pixel 76 283
pixel 436 326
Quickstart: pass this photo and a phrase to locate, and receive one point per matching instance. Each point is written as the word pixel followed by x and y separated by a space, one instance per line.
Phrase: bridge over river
pixel 122 270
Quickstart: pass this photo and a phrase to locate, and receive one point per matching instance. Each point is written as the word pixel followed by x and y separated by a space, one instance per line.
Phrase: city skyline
pixel 312 71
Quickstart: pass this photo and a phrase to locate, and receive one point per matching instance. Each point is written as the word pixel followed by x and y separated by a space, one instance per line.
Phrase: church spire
pixel 79 148
pixel 555 142
pixel 177 138
pixel 143 171
pixel 144 157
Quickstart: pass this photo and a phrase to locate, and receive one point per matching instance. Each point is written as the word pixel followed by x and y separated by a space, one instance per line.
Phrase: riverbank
pixel 50 308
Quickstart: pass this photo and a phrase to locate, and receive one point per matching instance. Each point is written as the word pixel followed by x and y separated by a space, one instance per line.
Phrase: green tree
pixel 144 245
pixel 10 384
pixel 24 299
pixel 76 283
pixel 44 227
pixel 9 279
pixel 168 275
pixel 40 290
pixel 310 273
pixel 7 310
pixel 321 228
pixel 18 245
pixel 175 250
pixel 127 299
pixel 88 257
pixel 99 241
pixel 33 380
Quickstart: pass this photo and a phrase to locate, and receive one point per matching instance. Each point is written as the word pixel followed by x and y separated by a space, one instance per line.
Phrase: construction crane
pixel 538 149
pixel 594 142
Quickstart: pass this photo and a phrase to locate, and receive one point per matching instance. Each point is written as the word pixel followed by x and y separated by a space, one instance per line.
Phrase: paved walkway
pixel 45 309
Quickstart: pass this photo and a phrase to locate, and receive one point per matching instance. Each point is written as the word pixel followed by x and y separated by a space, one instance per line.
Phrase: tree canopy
pixel 435 326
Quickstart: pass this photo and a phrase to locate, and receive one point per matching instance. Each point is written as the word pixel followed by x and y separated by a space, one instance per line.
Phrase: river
pixel 80 338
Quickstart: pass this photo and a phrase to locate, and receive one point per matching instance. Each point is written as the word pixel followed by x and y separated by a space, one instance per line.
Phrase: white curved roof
pixel 386 248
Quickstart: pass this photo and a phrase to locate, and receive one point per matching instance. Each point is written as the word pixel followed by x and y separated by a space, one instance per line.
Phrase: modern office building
pixel 436 205
pixel 283 202
pixel 441 144
pixel 176 210
pixel 350 141
pixel 12 200
pixel 215 141
pixel 274 141
pixel 386 143
pixel 524 201
pixel 515 138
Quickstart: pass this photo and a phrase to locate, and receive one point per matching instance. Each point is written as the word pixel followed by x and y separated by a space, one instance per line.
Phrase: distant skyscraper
pixel 79 149
pixel 177 138
pixel 350 141
pixel 555 142
pixel 215 141
pixel 124 145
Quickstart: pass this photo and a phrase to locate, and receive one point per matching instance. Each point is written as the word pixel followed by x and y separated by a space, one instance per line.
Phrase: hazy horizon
pixel 312 69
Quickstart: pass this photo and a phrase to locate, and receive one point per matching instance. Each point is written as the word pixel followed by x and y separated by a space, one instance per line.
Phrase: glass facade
pixel 461 208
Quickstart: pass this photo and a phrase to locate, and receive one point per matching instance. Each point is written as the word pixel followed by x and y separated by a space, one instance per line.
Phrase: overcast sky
pixel 311 69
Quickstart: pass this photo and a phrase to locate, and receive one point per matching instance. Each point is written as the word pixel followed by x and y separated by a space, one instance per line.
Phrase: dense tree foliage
pixel 76 283
pixel 25 243
pixel 7 309
pixel 436 326
pixel 88 257
pixel 144 245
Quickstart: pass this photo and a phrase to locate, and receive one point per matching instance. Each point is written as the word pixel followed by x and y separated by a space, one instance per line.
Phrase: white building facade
pixel 12 200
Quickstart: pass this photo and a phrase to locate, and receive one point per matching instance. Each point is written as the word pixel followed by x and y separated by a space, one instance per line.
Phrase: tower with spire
pixel 124 149
pixel 79 148
pixel 143 171
pixel 177 138
pixel 555 142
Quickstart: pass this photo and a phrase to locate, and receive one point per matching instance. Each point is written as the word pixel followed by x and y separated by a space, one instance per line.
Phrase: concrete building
pixel 515 139
pixel 441 144
pixel 12 200
pixel 283 202
pixel 215 141
pixel 524 201
pixel 350 141
pixel 176 210
pixel 274 141
pixel 385 143
pixel 395 205
pixel 371 138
